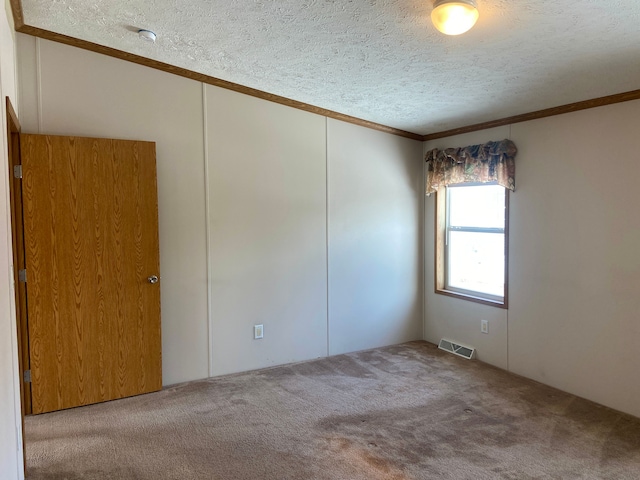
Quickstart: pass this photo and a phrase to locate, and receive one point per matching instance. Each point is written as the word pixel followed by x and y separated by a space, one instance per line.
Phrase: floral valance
pixel 489 162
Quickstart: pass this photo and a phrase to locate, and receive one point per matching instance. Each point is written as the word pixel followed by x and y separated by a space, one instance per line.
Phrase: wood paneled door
pixel 92 269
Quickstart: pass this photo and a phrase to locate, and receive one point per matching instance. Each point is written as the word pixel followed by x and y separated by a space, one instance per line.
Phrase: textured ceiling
pixel 379 60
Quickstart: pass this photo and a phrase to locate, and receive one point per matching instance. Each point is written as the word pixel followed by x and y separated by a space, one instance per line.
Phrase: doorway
pixel 90 216
pixel 84 219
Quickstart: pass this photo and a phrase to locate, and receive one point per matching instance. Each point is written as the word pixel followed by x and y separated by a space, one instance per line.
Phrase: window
pixel 471 242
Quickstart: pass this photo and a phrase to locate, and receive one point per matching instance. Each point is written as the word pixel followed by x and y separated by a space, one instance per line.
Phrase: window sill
pixel 471 298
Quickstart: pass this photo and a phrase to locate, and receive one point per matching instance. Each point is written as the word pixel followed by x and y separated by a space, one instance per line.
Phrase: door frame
pixel 17 238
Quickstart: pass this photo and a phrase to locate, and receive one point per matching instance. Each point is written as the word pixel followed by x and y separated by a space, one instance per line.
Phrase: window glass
pixel 476 206
pixel 476 262
pixel 472 239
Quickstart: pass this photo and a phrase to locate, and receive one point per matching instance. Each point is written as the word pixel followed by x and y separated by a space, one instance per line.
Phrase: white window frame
pixel 443 229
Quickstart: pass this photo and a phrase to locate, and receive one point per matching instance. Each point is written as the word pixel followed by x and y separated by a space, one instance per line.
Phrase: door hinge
pixel 17 171
pixel 22 275
pixel 27 376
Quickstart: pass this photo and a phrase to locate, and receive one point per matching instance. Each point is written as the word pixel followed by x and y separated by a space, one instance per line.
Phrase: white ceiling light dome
pixel 147 35
pixel 453 17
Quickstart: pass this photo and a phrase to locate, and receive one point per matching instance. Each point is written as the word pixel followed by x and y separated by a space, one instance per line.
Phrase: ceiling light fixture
pixel 147 35
pixel 453 17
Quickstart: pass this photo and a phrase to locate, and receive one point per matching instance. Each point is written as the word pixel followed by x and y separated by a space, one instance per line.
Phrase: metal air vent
pixel 457 349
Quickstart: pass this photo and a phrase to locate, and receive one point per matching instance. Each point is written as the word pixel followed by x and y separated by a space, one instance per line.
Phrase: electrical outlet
pixel 484 326
pixel 258 331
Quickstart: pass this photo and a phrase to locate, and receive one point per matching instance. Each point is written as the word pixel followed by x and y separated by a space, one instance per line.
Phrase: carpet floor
pixel 404 412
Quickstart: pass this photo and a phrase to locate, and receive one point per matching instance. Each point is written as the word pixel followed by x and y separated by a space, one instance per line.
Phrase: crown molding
pixel 547 112
pixel 18 17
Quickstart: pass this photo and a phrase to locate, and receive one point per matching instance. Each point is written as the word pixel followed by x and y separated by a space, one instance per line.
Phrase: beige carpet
pixel 403 412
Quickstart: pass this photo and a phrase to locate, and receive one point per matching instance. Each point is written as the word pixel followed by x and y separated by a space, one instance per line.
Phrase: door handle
pixel 153 279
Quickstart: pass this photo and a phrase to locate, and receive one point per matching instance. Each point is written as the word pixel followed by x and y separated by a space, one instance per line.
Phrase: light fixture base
pixel 472 3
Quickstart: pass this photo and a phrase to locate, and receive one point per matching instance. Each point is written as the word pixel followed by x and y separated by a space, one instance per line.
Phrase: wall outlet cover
pixel 484 326
pixel 258 331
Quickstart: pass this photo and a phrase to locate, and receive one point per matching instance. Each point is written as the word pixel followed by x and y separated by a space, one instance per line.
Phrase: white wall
pixel 10 425
pixel 574 268
pixel 375 279
pixel 267 215
pixel 243 211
